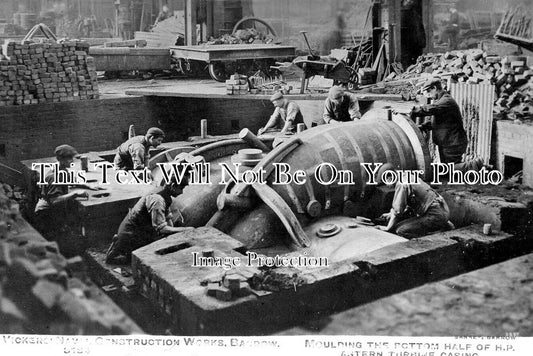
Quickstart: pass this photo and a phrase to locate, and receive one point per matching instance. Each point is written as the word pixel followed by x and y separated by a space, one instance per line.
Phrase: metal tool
pixel 304 33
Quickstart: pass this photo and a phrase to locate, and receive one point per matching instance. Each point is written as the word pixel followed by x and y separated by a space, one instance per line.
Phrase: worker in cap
pixel 149 220
pixel 417 209
pixel 133 154
pixel 451 30
pixel 287 115
pixel 340 106
pixel 163 14
pixel 446 122
pixel 52 218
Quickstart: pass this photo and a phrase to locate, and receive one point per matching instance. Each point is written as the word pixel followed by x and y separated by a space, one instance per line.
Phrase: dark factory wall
pixel 181 116
pixel 33 131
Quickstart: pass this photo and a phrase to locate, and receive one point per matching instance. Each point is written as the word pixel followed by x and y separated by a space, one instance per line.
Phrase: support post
pixel 190 22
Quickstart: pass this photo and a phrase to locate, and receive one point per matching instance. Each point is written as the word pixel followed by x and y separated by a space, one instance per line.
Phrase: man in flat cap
pixel 52 209
pixel 133 154
pixel 417 209
pixel 447 123
pixel 340 106
pixel 150 219
pixel 286 115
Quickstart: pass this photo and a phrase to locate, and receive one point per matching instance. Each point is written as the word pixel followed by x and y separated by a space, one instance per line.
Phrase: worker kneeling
pixel 417 209
pixel 286 115
pixel 149 220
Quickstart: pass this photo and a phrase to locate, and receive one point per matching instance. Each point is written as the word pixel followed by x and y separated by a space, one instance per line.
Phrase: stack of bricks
pixel 33 73
pixel 240 84
pixel 472 66
pixel 43 292
pixel 237 84
pixel 511 75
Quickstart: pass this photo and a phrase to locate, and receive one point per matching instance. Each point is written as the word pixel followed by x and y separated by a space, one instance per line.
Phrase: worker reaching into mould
pixel 417 209
pixel 149 220
pixel 447 123
pixel 133 154
pixel 287 115
pixel 52 218
pixel 340 106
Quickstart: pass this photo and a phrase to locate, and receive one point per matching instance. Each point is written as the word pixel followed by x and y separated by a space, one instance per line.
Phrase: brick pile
pixel 32 73
pixel 43 292
pixel 511 75
pixel 241 84
pixel 473 66
pixel 237 84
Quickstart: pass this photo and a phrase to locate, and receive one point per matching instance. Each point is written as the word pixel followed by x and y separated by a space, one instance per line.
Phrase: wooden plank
pixel 190 22
pixel 232 52
pixel 170 92
pixel 118 51
pixel 157 39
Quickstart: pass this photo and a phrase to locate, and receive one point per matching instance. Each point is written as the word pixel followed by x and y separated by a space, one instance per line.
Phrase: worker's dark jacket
pixel 149 213
pixel 347 109
pixel 447 123
pixel 57 222
pixel 132 154
pixel 143 223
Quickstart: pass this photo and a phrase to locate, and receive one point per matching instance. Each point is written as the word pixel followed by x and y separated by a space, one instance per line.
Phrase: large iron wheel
pixel 269 28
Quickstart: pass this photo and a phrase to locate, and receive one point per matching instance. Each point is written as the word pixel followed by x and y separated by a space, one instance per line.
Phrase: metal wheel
pixel 354 79
pixel 217 71
pixel 190 68
pixel 269 28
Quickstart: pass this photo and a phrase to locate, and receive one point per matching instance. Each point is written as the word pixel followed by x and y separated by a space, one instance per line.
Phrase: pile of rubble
pixel 243 282
pixel 32 73
pixel 511 75
pixel 43 292
pixel 247 36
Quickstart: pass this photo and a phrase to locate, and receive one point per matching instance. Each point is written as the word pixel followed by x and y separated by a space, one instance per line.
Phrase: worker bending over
pixel 149 220
pixel 133 154
pixel 340 106
pixel 286 115
pixel 417 209
pixel 447 123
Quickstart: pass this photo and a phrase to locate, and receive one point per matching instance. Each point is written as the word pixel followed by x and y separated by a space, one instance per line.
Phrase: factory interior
pixel 296 124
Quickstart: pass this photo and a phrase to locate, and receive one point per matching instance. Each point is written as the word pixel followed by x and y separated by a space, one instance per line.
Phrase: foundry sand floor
pixel 491 301
pixel 205 87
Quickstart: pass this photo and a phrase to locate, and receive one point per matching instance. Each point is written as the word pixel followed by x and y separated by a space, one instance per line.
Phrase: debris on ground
pixel 245 36
pixel 511 76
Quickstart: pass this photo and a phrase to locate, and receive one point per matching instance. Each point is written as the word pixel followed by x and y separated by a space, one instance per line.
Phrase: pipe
pixel 203 128
pixel 252 140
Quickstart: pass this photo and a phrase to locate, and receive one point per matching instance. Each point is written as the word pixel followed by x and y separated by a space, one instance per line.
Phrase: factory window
pixel 2 150
pixel 512 167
